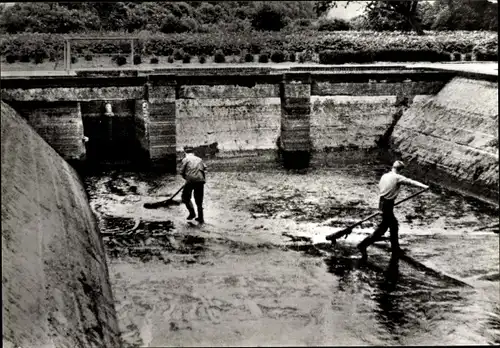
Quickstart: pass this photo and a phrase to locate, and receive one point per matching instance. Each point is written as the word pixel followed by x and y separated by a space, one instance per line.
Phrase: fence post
pixel 132 53
pixel 64 56
pixel 68 54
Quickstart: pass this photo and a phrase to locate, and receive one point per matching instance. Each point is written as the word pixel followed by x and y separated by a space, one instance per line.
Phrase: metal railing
pixel 67 46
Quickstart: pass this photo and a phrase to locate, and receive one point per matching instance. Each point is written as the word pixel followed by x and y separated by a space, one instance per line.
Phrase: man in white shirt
pixel 389 187
pixel 193 171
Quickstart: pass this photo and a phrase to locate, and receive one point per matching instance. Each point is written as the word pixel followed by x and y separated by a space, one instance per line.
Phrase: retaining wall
pixel 226 112
pixel 55 281
pixel 236 118
pixel 452 138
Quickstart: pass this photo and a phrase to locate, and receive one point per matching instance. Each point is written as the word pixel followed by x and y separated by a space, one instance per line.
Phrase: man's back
pixel 193 168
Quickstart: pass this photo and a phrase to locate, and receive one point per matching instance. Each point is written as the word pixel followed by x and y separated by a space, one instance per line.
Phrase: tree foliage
pixel 420 15
pixel 268 18
pixel 168 16
pixel 236 16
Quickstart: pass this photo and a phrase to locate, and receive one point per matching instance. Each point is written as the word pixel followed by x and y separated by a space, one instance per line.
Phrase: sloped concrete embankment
pixel 452 139
pixel 56 290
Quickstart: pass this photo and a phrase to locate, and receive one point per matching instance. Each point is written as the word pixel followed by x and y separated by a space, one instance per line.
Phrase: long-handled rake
pixel 346 231
pixel 163 203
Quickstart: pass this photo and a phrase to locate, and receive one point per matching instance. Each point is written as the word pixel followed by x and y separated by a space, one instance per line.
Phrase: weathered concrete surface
pixel 161 121
pixel 237 118
pixel 361 115
pixel 350 121
pixel 453 137
pixel 55 93
pixel 59 123
pixel 55 283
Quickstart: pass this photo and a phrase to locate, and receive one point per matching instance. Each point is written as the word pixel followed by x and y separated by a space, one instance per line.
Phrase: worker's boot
pixel 190 208
pixel 200 215
pixel 362 247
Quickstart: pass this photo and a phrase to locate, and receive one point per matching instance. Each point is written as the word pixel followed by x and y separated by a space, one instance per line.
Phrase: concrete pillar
pixel 161 132
pixel 141 126
pixel 295 138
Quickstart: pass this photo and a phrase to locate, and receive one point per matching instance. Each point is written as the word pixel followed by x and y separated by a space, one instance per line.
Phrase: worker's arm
pixel 203 169
pixel 408 181
pixel 183 168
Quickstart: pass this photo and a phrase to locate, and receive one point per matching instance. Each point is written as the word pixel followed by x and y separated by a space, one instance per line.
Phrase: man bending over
pixel 193 171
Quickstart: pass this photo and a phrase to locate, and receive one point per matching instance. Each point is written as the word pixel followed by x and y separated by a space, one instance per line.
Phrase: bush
pixel 154 60
pixel 302 58
pixel 25 58
pixel 468 57
pixel 121 60
pixel 341 57
pixel 39 58
pixel 178 54
pixel 457 56
pixel 53 56
pixel 292 57
pixel 383 55
pixel 11 58
pixel 249 58
pixel 411 55
pixel 74 60
pixel 159 44
pixel 202 59
pixel 137 59
pixel 303 22
pixel 186 58
pixel 268 18
pixel 490 56
pixel 88 57
pixel 263 58
pixel 335 24
pixel 278 57
pixel 219 57
pixel 170 59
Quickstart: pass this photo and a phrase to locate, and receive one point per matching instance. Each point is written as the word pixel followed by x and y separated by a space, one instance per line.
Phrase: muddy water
pixel 260 272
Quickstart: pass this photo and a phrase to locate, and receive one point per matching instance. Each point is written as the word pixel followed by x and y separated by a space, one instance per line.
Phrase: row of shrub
pixel 400 55
pixel 42 46
pixel 325 57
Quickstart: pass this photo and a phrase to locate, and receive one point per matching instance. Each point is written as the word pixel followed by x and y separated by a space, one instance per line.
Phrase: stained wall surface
pixel 237 118
pixel 357 114
pixel 55 282
pixel 452 138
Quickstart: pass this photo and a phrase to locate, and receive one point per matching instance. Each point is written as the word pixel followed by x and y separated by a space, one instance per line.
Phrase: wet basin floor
pixel 260 273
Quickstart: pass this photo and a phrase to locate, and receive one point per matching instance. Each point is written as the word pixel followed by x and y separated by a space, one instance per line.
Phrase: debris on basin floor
pixel 254 274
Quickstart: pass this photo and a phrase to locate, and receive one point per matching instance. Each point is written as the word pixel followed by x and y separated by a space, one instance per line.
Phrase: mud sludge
pixel 257 266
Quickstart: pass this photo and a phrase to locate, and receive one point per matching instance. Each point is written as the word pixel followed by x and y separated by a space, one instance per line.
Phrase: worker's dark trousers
pixel 389 221
pixel 187 192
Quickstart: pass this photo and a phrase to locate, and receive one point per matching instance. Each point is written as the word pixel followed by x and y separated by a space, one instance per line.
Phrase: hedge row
pixel 383 55
pixel 41 46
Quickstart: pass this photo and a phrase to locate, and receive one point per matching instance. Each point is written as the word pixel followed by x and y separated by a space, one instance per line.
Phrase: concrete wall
pixel 357 114
pixel 141 125
pixel 55 284
pixel 237 118
pixel 57 122
pixel 228 111
pixel 452 138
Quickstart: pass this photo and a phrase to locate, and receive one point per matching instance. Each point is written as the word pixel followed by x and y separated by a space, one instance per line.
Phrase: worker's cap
pixel 398 164
pixel 188 149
